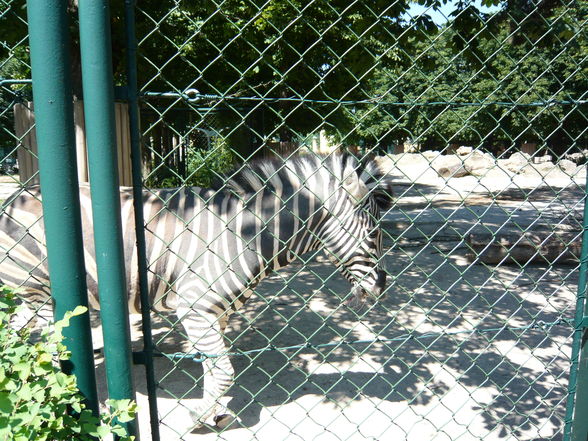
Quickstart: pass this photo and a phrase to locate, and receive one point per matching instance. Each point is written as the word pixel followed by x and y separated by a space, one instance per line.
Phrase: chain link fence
pixel 14 81
pixel 480 114
pixel 17 139
pixel 477 110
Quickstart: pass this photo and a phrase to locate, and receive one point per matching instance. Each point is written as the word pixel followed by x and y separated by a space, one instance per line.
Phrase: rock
pixel 413 167
pixel 385 163
pixel 430 154
pixel 496 179
pixel 567 166
pixel 478 163
pixel 503 164
pixel 498 173
pixel 520 158
pixel 541 168
pixel 463 150
pixel 516 163
pixel 577 157
pixel 551 247
pixel 449 166
pixel 408 158
pixel 547 171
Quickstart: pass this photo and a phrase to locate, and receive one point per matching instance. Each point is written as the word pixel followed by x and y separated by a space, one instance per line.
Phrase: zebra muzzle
pixel 360 297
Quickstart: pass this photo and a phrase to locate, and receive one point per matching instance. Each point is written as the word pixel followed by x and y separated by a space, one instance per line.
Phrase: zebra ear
pixel 384 196
pixel 355 187
pixel 379 182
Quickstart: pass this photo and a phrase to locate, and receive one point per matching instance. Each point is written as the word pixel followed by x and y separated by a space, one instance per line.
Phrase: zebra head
pixel 352 235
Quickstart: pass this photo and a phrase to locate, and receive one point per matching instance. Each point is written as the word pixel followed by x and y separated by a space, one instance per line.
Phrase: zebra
pixel 209 247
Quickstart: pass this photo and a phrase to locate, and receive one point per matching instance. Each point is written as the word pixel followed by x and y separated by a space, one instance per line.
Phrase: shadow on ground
pixel 471 348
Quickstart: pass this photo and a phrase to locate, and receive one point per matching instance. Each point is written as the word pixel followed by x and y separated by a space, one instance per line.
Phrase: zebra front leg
pixel 206 338
pixel 35 312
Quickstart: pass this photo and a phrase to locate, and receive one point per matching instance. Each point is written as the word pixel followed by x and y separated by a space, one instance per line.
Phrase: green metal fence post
pixel 52 93
pixel 97 78
pixel 133 95
pixel 579 369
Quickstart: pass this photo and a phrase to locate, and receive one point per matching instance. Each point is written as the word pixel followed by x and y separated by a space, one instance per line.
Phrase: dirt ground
pixel 8 185
pixel 468 352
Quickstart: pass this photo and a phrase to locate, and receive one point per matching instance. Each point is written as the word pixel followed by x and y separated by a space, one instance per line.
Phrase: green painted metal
pixel 136 163
pixel 98 87
pixel 578 382
pixel 52 93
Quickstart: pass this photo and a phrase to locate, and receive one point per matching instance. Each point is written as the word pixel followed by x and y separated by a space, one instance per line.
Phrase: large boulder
pixel 577 157
pixel 568 167
pixel 464 150
pixel 449 166
pixel 540 169
pixel 466 162
pixel 516 163
pixel 478 163
pixel 413 167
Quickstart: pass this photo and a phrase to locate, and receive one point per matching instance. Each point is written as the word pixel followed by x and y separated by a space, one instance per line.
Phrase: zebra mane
pixel 310 171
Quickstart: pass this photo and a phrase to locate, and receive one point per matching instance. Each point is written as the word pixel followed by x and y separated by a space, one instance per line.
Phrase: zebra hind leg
pixel 206 338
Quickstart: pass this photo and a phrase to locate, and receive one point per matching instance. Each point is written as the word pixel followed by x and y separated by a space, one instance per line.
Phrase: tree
pixel 276 53
pixel 512 86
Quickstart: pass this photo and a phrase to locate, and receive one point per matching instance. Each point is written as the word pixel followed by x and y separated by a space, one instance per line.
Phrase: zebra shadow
pixel 407 362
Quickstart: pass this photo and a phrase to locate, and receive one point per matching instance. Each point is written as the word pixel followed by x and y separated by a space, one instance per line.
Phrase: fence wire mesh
pixel 17 138
pixel 478 113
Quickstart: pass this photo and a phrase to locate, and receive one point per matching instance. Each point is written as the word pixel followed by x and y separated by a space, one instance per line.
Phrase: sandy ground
pixel 459 361
pixel 8 185
pixel 433 378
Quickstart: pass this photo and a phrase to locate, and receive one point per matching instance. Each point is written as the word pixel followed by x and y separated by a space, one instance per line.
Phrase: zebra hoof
pixel 223 421
pixel 197 421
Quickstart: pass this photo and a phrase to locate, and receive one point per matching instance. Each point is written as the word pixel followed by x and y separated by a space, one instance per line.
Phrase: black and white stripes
pixel 208 248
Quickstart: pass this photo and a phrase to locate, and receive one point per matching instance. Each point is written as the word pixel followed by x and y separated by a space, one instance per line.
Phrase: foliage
pixel 203 166
pixel 14 64
pixel 262 44
pixel 508 64
pixel 37 400
pixel 332 51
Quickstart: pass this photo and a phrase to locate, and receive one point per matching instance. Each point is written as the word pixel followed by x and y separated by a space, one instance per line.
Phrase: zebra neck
pixel 290 228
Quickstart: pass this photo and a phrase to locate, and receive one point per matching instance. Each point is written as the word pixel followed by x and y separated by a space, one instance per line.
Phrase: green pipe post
pixel 52 94
pixel 136 163
pixel 579 372
pixel 97 81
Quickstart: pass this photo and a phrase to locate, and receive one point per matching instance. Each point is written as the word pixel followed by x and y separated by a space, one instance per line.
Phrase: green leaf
pixel 35 395
pixel 119 431
pixel 23 370
pixel 5 429
pixel 103 431
pixel 90 429
pixel 6 403
pixel 77 407
pixel 25 393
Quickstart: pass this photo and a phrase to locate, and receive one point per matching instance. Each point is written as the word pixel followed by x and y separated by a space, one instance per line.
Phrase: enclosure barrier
pixel 61 206
pixel 478 112
pixel 95 48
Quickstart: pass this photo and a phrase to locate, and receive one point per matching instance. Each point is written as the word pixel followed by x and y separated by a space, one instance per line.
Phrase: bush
pixel 37 400
pixel 204 166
